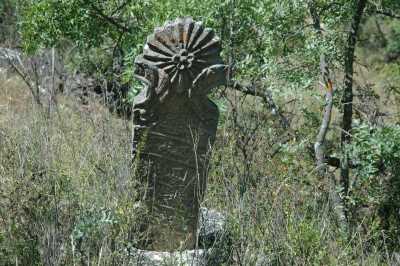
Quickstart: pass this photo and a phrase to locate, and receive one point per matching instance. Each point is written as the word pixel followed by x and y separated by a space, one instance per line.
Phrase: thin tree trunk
pixel 327 86
pixel 52 93
pixel 319 145
pixel 320 155
pixel 347 98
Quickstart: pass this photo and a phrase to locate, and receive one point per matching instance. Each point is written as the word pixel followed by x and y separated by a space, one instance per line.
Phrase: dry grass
pixel 67 190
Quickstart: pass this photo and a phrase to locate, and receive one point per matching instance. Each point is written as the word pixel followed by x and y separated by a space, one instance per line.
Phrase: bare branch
pixel 20 72
pixel 388 13
pixel 267 98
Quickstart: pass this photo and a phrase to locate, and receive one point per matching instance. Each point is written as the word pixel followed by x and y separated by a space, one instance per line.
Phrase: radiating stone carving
pixel 174 127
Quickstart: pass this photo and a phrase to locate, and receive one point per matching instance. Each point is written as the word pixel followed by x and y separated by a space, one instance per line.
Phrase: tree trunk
pixel 347 98
pixel 319 149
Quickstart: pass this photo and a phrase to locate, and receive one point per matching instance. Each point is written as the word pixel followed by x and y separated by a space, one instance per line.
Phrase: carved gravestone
pixel 174 127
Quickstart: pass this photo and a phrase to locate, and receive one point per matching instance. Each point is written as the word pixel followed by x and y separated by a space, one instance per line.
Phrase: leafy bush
pixel 376 185
pixel 394 37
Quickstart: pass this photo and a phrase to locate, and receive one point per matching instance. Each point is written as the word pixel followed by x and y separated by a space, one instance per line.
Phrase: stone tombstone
pixel 174 127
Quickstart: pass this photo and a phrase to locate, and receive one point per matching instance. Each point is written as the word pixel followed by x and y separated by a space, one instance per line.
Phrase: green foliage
pixel 394 38
pixel 61 21
pixel 270 41
pixel 376 185
pixel 261 39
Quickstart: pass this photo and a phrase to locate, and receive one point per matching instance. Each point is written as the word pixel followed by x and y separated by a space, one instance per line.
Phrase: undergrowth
pixel 67 192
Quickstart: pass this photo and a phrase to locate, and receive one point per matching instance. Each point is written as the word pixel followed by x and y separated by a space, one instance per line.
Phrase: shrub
pixel 375 193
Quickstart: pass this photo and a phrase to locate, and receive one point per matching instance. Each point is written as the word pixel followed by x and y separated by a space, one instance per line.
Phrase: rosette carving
pixel 184 50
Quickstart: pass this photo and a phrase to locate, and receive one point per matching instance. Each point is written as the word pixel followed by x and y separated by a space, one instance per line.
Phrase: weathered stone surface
pixel 174 127
pixel 211 234
pixel 214 237
pixel 181 258
pixel 211 227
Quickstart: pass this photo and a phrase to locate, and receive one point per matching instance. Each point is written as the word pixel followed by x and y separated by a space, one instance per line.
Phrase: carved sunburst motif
pixel 183 49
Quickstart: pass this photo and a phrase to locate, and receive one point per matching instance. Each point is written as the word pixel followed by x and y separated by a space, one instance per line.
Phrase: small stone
pixel 211 226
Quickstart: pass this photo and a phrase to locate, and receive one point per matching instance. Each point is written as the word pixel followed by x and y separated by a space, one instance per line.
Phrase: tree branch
pixel 265 95
pixel 387 13
pixel 26 79
pixel 110 20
